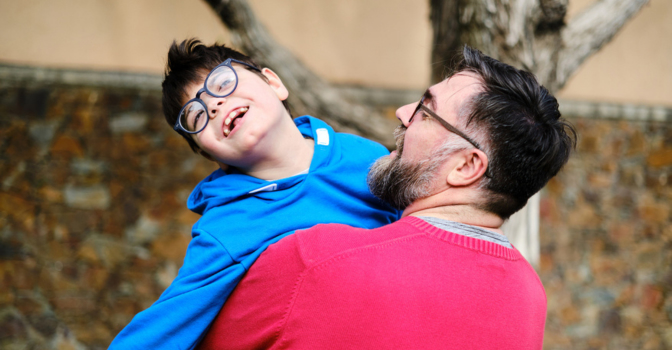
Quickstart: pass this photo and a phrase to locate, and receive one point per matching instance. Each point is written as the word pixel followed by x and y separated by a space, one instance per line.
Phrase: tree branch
pixel 308 92
pixel 589 31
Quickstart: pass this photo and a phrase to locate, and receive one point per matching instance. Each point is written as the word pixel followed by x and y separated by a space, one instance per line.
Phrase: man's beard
pixel 401 183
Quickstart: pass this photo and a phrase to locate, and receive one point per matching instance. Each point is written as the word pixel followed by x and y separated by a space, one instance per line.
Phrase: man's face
pixel 240 124
pixel 409 173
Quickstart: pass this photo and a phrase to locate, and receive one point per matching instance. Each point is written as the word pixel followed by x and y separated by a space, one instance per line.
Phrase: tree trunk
pixel 446 33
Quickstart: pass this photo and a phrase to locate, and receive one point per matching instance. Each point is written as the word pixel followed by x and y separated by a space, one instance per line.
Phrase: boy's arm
pixel 185 310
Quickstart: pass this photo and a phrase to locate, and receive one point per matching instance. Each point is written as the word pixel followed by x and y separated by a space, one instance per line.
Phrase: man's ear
pixel 275 83
pixel 470 166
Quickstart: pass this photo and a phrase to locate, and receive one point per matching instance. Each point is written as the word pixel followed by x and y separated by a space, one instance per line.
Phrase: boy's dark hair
pixel 527 140
pixel 189 62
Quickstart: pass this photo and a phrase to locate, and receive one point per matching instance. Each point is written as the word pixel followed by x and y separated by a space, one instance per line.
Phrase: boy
pixel 276 175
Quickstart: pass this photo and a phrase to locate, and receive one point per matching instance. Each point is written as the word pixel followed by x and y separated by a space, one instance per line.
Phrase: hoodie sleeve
pixel 185 310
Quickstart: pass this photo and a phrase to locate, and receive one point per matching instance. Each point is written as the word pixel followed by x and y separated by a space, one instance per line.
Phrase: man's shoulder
pixel 328 240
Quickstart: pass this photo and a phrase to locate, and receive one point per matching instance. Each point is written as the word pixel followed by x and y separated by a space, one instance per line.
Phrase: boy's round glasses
pixel 220 82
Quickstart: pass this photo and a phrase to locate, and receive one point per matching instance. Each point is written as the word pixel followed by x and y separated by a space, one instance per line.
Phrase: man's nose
pixel 405 113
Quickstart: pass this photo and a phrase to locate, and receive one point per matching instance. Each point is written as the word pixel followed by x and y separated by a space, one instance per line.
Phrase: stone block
pixel 51 194
pixel 166 274
pixel 45 323
pixel 589 143
pixel 101 250
pixel 83 166
pixel 610 321
pixel 660 158
pixel 92 197
pixel 144 230
pixel 93 333
pixel 42 133
pixel 15 205
pixel 583 215
pixel 637 142
pixel 622 233
pixel 12 325
pixel 171 246
pixel 73 303
pixel 570 315
pixel 128 122
pixel 600 180
pixel 652 297
pixel 67 146
pixel 655 212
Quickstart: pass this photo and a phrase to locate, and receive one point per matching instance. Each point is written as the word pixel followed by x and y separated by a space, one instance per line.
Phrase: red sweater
pixel 407 285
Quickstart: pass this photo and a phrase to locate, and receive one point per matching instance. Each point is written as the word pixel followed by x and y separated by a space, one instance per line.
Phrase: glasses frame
pixel 448 126
pixel 178 125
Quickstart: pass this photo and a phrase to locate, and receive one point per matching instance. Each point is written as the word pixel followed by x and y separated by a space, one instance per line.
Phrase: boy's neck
pixel 288 156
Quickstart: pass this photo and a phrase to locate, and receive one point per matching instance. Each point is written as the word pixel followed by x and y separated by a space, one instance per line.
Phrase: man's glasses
pixel 220 82
pixel 445 124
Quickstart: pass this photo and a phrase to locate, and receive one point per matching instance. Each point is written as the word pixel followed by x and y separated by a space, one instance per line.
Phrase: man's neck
pixel 463 213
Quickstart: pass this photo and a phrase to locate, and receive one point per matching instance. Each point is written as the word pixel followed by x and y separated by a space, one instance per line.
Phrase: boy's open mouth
pixel 232 119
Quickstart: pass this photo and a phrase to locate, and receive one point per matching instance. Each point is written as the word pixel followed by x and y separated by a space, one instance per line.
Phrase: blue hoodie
pixel 241 216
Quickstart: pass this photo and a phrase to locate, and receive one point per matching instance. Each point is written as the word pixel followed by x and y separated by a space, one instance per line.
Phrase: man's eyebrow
pixel 432 101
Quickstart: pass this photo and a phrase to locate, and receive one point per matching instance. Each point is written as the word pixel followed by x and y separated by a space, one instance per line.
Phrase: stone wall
pixel 93 225
pixel 606 238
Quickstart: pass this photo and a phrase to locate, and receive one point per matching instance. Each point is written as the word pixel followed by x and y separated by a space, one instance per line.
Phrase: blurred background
pixel 93 221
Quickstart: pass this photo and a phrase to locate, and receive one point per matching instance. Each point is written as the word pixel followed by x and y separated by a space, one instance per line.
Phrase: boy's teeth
pixel 232 115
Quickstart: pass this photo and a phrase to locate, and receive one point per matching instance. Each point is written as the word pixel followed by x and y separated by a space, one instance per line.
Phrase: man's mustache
pixel 399 133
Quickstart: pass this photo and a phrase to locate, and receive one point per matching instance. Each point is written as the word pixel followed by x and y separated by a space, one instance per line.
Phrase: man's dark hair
pixel 527 140
pixel 188 62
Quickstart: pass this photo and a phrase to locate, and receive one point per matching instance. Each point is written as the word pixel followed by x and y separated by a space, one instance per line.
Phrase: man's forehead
pixel 459 84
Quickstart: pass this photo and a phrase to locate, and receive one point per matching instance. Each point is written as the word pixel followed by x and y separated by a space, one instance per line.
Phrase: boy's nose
pixel 214 103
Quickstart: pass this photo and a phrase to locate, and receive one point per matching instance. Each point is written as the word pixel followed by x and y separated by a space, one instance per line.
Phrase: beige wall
pixel 377 42
pixel 635 67
pixel 131 35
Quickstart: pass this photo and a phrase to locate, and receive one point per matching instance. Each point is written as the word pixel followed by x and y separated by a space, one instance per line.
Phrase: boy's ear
pixel 276 84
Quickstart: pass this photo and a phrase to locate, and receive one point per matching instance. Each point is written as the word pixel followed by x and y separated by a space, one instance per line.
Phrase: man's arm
pixel 254 315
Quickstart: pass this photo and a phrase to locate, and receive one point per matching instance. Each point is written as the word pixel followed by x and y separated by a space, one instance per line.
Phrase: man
pixel 469 155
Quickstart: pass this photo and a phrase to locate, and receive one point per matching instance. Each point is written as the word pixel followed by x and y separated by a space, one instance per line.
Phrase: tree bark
pixel 533 34
pixel 444 16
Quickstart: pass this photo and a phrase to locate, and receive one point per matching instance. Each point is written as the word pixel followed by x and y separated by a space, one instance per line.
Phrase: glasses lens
pixel 193 117
pixel 221 81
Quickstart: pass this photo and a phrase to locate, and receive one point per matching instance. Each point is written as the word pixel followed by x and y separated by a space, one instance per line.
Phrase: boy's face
pixel 241 125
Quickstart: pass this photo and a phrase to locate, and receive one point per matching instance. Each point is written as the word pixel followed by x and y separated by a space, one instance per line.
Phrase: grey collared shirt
pixel 468 230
